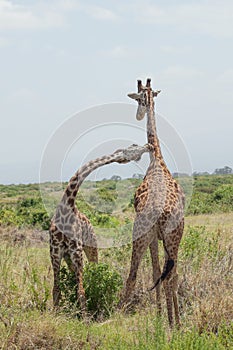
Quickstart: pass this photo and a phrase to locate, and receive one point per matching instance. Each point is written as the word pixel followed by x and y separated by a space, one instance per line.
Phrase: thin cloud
pixel 180 73
pixel 93 11
pixel 23 95
pixel 44 15
pixel 176 50
pixel 100 13
pixel 226 77
pixel 14 16
pixel 209 17
pixel 4 42
pixel 116 52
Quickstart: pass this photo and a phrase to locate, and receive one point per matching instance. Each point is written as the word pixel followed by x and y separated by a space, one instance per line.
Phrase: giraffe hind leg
pixel 77 263
pixel 56 262
pixel 175 299
pixel 90 243
pixel 167 268
pixel 169 300
pixel 154 252
pixel 91 253
pixel 169 264
pixel 171 277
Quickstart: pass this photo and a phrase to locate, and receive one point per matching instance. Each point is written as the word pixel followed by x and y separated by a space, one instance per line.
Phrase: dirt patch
pixel 29 237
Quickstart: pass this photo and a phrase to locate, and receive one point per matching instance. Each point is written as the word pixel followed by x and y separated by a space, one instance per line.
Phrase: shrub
pixel 198 244
pixel 224 194
pixel 8 217
pixel 32 213
pixel 101 283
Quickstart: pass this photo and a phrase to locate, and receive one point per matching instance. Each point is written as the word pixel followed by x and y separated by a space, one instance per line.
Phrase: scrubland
pixel 27 319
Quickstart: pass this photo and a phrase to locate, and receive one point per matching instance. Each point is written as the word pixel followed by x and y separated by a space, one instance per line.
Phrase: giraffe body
pixel 159 206
pixel 71 232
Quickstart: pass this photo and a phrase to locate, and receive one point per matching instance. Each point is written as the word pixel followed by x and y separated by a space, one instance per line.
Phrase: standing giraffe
pixel 70 230
pixel 159 206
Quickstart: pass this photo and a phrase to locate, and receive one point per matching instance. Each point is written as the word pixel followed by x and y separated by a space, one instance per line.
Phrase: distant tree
pixel 138 176
pixel 180 174
pixel 200 173
pixel 116 178
pixel 223 171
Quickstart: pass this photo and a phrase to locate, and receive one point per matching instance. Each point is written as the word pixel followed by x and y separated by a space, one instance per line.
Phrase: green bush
pixel 32 212
pixel 198 244
pixel 224 194
pixel 101 283
pixel 26 212
pixel 8 217
pixel 103 199
pixel 212 194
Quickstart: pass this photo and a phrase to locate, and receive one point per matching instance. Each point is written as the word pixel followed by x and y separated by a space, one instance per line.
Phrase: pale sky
pixel 61 57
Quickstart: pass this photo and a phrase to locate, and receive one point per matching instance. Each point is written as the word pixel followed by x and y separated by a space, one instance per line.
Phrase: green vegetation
pixel 104 201
pixel 212 194
pixel 102 284
pixel 205 294
pixel 27 319
pixel 21 206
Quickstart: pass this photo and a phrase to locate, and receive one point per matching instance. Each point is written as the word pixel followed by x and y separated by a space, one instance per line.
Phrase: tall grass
pixel 27 320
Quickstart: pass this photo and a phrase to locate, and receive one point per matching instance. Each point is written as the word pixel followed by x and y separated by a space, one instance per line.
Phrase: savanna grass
pixel 27 320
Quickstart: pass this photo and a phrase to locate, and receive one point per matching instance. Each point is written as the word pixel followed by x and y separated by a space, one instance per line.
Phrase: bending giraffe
pixel 71 232
pixel 159 206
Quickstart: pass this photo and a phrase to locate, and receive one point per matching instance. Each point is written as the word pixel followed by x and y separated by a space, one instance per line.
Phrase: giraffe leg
pixel 169 301
pixel 175 298
pixel 56 256
pixel 90 244
pixel 170 282
pixel 170 287
pixel 91 253
pixel 154 252
pixel 77 264
pixel 139 248
pixel 171 241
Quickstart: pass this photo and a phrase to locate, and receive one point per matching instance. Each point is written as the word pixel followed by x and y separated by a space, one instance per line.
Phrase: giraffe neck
pixel 156 158
pixel 152 137
pixel 78 178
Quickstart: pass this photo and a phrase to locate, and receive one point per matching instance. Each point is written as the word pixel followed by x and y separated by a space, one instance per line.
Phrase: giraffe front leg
pixel 139 247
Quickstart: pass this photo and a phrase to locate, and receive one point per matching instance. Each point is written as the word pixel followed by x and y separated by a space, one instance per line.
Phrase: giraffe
pixel 159 206
pixel 71 232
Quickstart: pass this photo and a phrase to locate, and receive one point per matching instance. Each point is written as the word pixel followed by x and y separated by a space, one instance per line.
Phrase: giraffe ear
pixel 155 93
pixel 134 96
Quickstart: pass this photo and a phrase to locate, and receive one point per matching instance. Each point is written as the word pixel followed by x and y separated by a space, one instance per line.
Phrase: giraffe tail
pixel 167 268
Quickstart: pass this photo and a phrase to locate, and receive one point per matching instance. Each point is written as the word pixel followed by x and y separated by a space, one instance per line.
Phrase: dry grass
pixel 205 293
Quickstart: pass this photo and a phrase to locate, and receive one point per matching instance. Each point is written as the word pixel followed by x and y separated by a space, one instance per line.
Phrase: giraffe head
pixel 144 97
pixel 133 152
